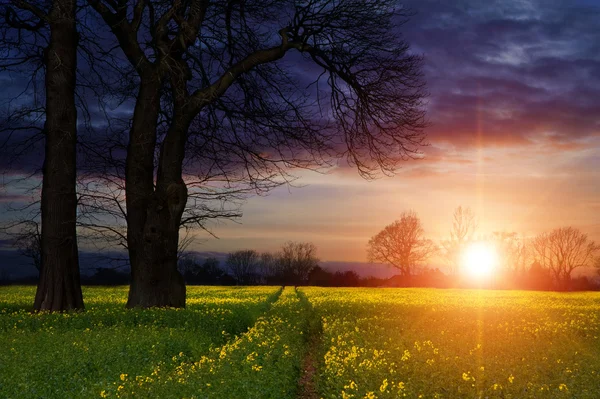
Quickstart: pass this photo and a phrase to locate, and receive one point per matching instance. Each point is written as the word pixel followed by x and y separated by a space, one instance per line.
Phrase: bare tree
pixel 295 261
pixel 402 244
pixel 515 253
pixel 234 108
pixel 562 251
pixel 268 267
pixel 244 266
pixel 464 225
pixel 59 284
pixel 28 241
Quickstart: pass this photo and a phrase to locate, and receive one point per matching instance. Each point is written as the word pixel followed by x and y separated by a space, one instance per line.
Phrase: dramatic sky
pixel 514 114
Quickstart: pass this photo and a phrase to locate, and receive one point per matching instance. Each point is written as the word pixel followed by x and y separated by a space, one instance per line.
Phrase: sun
pixel 479 260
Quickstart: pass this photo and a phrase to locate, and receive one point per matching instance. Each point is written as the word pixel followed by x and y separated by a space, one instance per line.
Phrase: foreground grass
pixel 79 355
pixel 250 343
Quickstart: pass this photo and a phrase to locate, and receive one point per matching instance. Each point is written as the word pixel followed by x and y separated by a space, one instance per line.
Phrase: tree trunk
pixel 153 214
pixel 155 280
pixel 59 286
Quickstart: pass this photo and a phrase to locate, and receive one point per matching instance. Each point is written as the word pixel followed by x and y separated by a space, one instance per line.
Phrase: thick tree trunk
pixel 59 286
pixel 153 214
pixel 155 280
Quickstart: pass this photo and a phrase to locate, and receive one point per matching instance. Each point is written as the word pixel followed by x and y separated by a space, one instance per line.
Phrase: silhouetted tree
pixel 320 277
pixel 235 108
pixel 107 276
pixel 206 272
pixel 401 244
pixel 59 284
pixel 515 255
pixel 28 241
pixel 464 226
pixel 563 250
pixel 295 261
pixel 538 277
pixel 348 278
pixel 268 267
pixel 243 266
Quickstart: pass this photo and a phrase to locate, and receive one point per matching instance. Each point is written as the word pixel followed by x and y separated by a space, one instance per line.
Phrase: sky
pixel 514 133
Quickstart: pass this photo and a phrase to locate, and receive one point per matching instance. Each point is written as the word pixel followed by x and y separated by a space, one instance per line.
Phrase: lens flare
pixel 479 260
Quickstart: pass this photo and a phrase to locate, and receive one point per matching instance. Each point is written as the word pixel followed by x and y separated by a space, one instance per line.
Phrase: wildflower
pixel 405 355
pixel 384 385
pixel 511 378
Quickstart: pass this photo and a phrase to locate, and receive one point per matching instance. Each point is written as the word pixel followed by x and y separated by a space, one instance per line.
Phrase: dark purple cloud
pixel 505 73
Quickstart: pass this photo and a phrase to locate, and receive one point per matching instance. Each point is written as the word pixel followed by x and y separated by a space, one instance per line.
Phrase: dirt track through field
pixel 307 382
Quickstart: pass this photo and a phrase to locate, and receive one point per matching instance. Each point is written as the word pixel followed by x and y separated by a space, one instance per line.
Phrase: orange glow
pixel 479 260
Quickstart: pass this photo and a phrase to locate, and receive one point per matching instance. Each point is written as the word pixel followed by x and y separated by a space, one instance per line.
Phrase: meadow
pixel 269 342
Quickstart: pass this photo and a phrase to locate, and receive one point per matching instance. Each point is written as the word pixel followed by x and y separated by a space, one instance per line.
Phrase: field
pixel 265 342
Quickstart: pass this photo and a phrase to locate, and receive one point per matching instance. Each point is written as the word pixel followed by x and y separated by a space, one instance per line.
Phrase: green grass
pixel 78 355
pixel 233 342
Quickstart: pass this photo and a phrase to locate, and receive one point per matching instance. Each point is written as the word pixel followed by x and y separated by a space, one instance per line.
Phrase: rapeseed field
pixel 252 342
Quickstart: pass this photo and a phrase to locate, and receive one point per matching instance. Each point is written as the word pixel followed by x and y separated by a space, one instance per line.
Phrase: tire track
pixel 307 383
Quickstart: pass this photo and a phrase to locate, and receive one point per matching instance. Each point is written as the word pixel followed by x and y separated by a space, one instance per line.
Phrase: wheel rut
pixel 307 387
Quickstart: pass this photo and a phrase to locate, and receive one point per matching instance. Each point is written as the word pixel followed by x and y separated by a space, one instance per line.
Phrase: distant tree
pixel 268 268
pixel 402 245
pixel 28 242
pixel 563 250
pixel 295 261
pixel 464 226
pixel 515 253
pixel 108 276
pixel 320 277
pixel 538 277
pixel 243 266
pixel 348 278
pixel 205 272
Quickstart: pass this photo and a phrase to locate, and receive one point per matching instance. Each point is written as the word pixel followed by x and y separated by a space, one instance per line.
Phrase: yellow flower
pixel 123 377
pixel 103 394
pixel 563 387
pixel 384 385
pixel 511 378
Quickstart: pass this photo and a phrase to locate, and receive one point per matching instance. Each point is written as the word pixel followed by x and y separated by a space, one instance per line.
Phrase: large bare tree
pixel 402 244
pixel 59 284
pixel 214 93
pixel 562 251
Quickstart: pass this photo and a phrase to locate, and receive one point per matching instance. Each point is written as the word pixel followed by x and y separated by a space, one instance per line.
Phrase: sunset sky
pixel 514 112
pixel 514 133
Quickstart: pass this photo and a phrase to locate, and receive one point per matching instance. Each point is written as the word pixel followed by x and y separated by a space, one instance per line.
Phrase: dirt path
pixel 307 382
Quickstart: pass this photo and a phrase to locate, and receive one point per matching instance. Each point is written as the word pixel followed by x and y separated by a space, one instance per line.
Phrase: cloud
pixel 505 74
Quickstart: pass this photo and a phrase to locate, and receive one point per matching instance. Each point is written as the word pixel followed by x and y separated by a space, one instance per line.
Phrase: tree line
pixel 159 115
pixel 547 260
